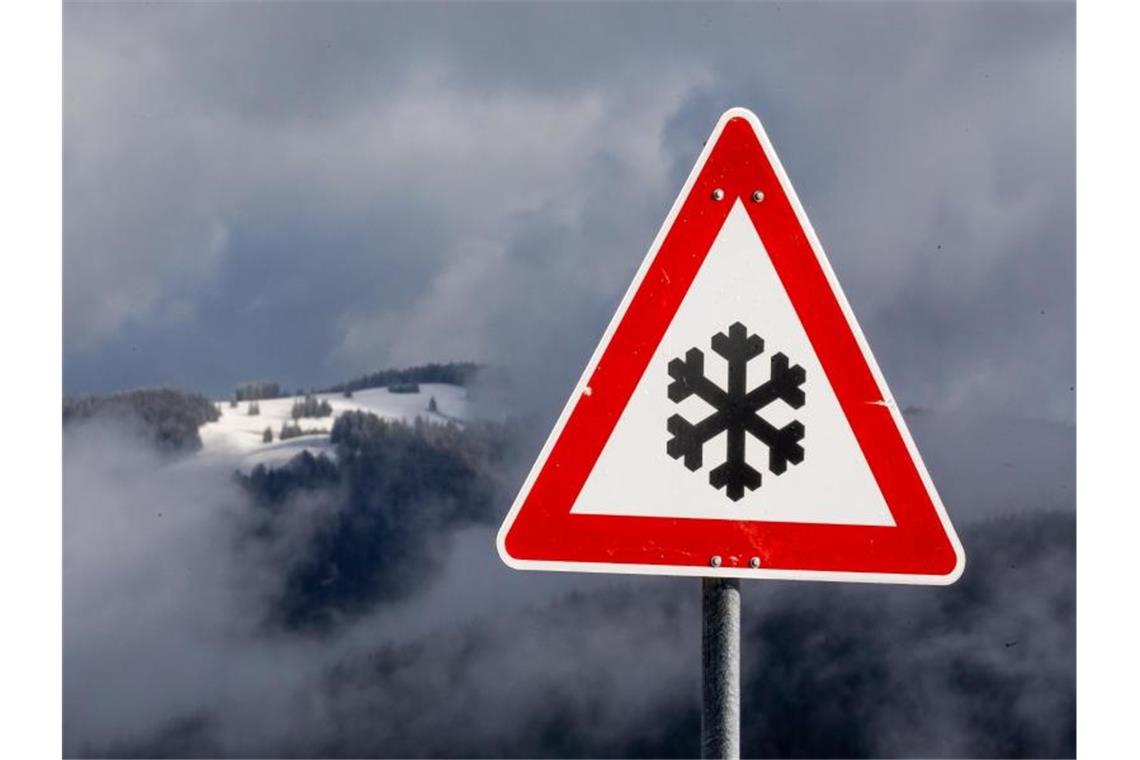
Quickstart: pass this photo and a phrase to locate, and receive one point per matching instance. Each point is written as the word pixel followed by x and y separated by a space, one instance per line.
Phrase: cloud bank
pixel 310 193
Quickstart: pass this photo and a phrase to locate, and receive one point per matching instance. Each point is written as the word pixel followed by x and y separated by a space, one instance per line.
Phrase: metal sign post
pixel 720 668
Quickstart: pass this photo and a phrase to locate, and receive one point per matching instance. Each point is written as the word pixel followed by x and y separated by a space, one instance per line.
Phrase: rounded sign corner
pixel 501 545
pixel 959 561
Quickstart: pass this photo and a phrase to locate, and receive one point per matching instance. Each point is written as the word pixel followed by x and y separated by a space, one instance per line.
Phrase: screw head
pixel 757 196
pixel 754 563
pixel 718 195
pixel 714 560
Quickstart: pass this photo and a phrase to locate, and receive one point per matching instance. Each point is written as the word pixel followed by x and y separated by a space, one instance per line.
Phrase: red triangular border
pixel 542 533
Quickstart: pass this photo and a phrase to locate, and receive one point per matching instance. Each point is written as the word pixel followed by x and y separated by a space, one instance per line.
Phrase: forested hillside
pixel 169 417
pixel 391 488
pixel 452 373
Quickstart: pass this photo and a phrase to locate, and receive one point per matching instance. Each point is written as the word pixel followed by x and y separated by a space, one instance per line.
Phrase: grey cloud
pixel 164 608
pixel 165 601
pixel 140 605
pixel 313 192
pixel 983 669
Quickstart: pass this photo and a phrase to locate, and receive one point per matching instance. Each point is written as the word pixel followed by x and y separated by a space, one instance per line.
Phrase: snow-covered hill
pixel 237 435
pixel 983 465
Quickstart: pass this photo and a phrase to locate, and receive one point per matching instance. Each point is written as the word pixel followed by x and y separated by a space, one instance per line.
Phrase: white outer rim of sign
pixel 864 346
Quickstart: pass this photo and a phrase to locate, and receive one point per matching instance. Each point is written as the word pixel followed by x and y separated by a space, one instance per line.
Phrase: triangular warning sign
pixel 732 420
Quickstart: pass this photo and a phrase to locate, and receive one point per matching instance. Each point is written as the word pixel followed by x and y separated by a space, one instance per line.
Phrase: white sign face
pixel 732 421
pixel 833 484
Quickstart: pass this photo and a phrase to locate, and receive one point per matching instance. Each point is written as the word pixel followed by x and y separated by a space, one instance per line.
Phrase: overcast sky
pixel 304 192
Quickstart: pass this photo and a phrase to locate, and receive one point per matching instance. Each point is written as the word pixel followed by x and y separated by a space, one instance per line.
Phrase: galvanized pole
pixel 720 668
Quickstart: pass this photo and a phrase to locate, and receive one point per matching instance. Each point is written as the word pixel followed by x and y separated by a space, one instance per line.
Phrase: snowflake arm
pixel 688 440
pixel 689 379
pixel 735 474
pixel 784 383
pixel 783 443
pixel 737 347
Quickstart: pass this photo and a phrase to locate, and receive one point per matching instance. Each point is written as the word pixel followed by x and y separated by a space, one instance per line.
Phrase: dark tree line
pixel 257 391
pixel 270 486
pixel 169 417
pixel 310 406
pixel 294 431
pixel 404 380
pixel 404 388
pixel 453 373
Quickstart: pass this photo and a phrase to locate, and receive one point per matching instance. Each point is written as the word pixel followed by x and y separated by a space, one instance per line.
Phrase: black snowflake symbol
pixel 736 411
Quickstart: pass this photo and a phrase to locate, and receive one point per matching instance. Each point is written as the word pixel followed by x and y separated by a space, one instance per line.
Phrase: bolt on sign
pixel 732 420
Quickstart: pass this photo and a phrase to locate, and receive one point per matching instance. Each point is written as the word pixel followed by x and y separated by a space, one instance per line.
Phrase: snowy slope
pixel 983 465
pixel 236 436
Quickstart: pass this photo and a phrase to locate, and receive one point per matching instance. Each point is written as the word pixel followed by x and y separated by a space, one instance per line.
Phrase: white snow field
pixel 237 436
